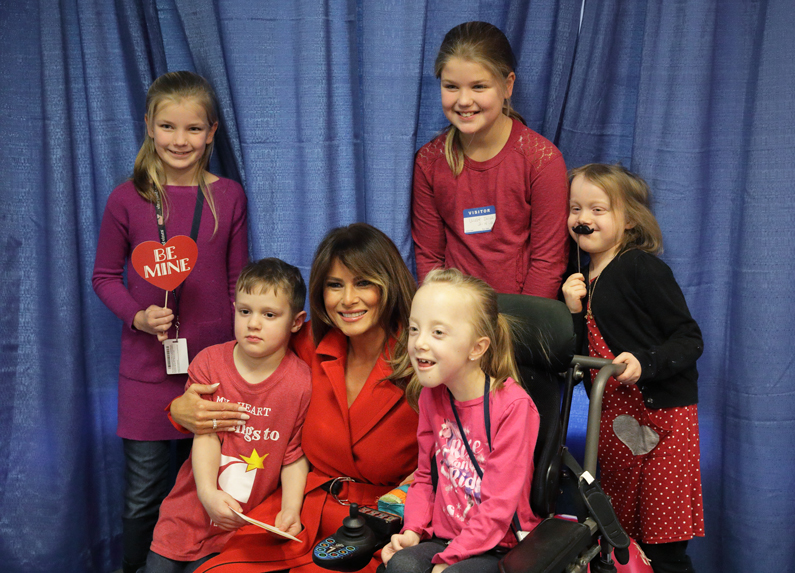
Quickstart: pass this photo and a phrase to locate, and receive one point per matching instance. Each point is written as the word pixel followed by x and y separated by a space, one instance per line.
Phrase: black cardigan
pixel 639 308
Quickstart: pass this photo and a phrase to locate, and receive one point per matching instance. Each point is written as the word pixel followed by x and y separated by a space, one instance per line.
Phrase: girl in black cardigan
pixel 633 311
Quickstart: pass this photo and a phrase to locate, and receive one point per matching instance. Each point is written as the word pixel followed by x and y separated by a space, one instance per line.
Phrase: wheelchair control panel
pixel 362 533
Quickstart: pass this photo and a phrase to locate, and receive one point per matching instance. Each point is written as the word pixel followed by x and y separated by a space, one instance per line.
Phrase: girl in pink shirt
pixel 477 424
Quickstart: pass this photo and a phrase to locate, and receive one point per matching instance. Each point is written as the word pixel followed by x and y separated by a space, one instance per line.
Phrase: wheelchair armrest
pixel 548 548
pixel 606 370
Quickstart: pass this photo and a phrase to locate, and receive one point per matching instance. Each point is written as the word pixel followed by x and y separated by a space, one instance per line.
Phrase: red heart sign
pixel 166 266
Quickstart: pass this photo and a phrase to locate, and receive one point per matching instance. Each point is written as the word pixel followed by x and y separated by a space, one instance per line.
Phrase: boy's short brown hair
pixel 273 273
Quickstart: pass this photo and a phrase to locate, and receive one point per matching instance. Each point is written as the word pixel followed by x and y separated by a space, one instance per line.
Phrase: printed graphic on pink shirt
pixel 238 473
pixel 457 468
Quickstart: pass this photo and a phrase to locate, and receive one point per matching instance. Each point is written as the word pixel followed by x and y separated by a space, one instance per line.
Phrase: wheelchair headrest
pixel 545 337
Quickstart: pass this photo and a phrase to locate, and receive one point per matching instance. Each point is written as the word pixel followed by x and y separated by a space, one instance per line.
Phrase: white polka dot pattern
pixel 657 496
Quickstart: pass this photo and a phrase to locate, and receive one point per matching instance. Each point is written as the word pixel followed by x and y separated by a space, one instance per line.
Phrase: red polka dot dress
pixel 656 491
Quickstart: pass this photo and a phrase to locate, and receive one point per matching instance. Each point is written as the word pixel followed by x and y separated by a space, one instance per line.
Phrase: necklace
pixel 591 289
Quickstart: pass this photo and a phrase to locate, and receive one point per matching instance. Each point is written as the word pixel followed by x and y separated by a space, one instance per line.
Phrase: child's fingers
pixel 232 503
pixel 386 553
pixel 573 292
pixel 230 524
pixel 287 521
pixel 631 373
pixel 295 528
pixel 206 389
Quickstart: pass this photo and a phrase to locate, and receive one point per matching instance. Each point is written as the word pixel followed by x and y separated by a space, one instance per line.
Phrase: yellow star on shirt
pixel 254 461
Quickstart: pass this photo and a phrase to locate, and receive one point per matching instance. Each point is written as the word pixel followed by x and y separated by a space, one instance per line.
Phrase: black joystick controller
pixel 361 535
pixel 350 549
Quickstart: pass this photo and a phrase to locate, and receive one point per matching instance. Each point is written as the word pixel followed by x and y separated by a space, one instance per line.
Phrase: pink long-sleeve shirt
pixel 474 514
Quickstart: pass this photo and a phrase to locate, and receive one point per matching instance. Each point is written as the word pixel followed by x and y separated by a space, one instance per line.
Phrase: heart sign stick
pixel 165 266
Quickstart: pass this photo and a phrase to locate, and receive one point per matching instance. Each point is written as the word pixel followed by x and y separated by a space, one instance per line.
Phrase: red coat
pixel 374 441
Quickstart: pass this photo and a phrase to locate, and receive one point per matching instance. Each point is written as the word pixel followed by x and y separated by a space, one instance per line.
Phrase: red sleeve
pixel 506 472
pixel 113 249
pixel 427 227
pixel 549 245
pixel 200 371
pixel 237 249
pixel 418 510
pixel 302 343
pixel 294 451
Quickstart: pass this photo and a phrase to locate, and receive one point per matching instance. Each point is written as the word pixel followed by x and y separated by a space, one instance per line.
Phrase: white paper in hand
pixel 266 527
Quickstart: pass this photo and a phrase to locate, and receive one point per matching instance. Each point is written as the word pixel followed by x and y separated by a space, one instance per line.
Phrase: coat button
pixel 650 400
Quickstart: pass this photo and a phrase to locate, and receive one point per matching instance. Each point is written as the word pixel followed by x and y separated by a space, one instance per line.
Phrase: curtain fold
pixel 73 75
pixel 200 25
pixel 599 117
pixel 714 136
pixel 695 97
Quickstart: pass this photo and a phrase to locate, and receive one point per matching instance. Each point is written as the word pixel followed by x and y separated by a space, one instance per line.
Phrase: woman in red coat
pixel 359 425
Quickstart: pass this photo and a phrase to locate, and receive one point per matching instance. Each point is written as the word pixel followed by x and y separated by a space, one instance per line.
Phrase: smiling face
pixel 589 205
pixel 352 302
pixel 443 346
pixel 181 133
pixel 264 323
pixel 472 97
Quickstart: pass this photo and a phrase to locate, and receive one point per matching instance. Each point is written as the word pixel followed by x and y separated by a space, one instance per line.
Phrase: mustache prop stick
pixel 580 230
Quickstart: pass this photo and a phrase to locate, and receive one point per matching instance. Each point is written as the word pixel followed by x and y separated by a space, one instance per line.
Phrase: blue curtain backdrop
pixel 323 105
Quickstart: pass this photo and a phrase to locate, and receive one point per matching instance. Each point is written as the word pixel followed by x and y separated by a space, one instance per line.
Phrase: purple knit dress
pixel 206 296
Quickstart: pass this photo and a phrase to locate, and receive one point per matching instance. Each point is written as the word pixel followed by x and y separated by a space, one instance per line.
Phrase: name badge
pixel 479 220
pixel 176 355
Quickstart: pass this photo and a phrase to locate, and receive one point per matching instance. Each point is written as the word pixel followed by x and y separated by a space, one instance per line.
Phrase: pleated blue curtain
pixel 331 100
pixel 323 106
pixel 74 75
pixel 319 104
pixel 598 123
pixel 718 143
pixel 696 97
pixel 300 90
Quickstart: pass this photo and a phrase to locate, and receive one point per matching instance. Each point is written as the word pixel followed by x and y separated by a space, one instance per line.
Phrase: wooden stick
pixel 165 304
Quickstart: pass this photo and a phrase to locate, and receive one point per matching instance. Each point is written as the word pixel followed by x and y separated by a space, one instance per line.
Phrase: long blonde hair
pixel 149 176
pixel 630 193
pixel 498 361
pixel 484 44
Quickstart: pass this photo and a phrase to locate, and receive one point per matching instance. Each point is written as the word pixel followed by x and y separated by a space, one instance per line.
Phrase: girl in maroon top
pixel 489 194
pixel 170 170
pixel 635 314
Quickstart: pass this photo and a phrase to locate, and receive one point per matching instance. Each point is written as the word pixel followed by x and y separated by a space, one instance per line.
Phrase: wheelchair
pixel 545 343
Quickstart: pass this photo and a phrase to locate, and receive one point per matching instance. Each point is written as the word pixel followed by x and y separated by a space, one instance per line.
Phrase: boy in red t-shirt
pixel 237 470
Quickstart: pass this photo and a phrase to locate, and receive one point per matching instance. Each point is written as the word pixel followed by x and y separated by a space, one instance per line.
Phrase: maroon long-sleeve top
pixel 527 248
pixel 206 296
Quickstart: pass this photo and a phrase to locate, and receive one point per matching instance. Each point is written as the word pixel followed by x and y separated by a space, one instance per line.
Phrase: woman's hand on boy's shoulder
pixel 201 416
pixel 574 290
